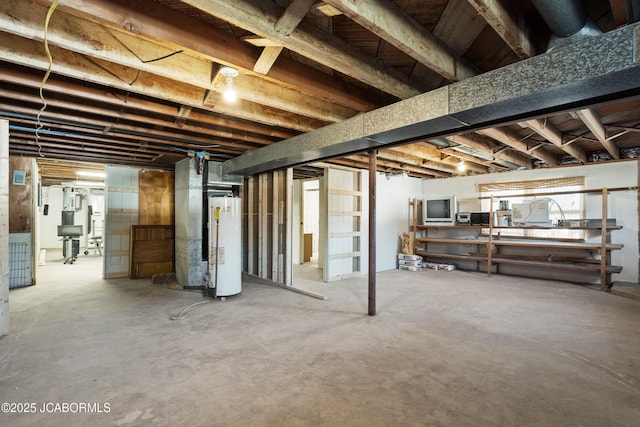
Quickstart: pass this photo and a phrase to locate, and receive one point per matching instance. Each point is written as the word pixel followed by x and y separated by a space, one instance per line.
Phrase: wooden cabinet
pixel 485 248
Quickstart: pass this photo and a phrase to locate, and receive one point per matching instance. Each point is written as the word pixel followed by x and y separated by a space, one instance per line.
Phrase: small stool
pixel 97 244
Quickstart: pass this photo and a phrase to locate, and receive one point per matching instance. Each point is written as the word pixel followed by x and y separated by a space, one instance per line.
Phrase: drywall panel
pixel 297 222
pixel 392 212
pixel 622 205
pixel 156 197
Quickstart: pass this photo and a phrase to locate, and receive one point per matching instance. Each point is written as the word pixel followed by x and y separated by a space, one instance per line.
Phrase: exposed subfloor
pixel 446 348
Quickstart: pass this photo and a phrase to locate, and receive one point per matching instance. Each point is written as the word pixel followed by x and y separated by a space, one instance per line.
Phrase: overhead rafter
pixel 509 24
pixel 390 22
pixel 148 19
pixel 481 144
pixel 553 135
pixel 116 46
pixel 513 140
pixel 29 53
pixel 592 121
pixel 126 101
pixel 310 42
pixel 285 25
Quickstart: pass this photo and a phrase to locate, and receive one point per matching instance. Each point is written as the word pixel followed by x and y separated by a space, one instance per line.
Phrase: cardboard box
pixel 448 267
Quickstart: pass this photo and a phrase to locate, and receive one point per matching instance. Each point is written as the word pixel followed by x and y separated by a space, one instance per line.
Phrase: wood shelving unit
pixel 561 254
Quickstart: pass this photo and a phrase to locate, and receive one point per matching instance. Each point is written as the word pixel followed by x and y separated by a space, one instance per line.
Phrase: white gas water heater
pixel 225 246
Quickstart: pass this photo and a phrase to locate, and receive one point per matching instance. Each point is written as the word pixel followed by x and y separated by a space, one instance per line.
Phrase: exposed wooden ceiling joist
pixel 128 77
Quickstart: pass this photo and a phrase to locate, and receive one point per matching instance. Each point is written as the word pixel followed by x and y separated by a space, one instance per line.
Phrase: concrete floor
pixel 446 349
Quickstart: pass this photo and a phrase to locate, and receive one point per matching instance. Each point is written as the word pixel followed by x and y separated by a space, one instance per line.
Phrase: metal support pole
pixel 372 231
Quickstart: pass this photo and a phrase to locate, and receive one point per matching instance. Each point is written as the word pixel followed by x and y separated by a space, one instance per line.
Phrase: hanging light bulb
pixel 462 166
pixel 229 93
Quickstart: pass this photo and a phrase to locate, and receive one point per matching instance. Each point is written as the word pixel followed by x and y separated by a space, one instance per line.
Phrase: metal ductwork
pixel 567 19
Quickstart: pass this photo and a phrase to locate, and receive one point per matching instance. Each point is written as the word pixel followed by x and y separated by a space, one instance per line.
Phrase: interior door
pixel 343 248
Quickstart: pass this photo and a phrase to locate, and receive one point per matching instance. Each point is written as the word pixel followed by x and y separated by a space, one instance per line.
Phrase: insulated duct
pixel 567 19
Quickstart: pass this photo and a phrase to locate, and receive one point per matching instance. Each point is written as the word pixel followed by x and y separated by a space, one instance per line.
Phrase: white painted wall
pixel 296 220
pixel 622 205
pixel 392 212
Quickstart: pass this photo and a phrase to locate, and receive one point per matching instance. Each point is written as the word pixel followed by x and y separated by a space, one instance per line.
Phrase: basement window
pixel 563 196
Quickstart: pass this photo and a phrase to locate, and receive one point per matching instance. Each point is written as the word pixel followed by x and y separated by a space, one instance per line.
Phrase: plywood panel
pixel 152 250
pixel 156 197
pixel 20 196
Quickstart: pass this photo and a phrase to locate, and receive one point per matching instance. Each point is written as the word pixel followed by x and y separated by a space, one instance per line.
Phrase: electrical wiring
pixel 39 125
pixel 182 289
pixel 188 309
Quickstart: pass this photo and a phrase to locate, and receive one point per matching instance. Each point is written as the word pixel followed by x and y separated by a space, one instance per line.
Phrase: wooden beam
pixel 432 154
pixel 472 163
pixel 261 41
pixel 508 23
pixel 293 15
pixel 150 20
pixel 288 22
pixel 619 12
pixel 30 53
pixel 137 132
pixel 401 165
pixel 476 103
pixel 311 42
pixel 267 58
pixel 513 140
pixel 553 135
pixel 459 14
pixel 327 10
pixel 388 21
pixel 478 143
pixel 371 311
pixel 403 155
pixel 132 103
pixel 117 46
pixel 592 121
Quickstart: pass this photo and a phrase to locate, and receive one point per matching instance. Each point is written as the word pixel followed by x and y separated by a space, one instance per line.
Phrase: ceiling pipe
pixel 567 19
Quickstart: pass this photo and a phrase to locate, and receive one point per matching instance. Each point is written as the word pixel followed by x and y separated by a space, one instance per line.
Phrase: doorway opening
pixel 70 217
pixel 306 267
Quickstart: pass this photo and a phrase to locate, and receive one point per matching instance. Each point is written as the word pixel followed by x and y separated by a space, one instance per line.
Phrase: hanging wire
pixel 39 125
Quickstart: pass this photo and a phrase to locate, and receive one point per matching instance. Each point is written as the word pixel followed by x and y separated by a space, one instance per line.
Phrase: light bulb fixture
pixel 462 166
pixel 229 93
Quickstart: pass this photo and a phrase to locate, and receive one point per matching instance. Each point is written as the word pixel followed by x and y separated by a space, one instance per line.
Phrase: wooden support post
pixel 372 232
pixel 490 242
pixel 604 254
